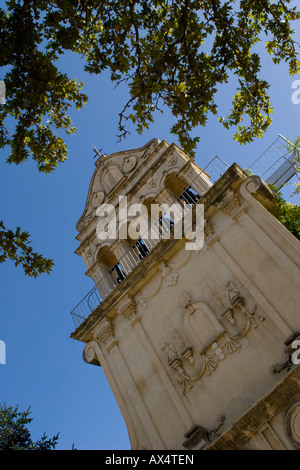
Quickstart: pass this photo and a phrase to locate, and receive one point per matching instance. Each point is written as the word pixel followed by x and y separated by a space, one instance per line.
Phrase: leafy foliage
pixel 175 53
pixel 14 433
pixel 293 147
pixel 170 53
pixel 288 214
pixel 16 246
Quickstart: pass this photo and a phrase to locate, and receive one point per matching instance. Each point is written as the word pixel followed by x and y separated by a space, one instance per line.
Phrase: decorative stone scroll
pixel 91 353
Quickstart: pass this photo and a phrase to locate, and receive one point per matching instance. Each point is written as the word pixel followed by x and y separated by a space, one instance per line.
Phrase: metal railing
pixel 145 244
pixel 278 163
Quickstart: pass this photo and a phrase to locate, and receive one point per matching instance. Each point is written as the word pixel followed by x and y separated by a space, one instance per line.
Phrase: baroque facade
pixel 198 346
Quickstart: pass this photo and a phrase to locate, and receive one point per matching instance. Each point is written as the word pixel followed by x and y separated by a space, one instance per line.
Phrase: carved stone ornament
pixel 173 160
pixel 212 341
pixel 237 302
pixel 232 293
pixel 198 437
pixel 149 148
pixel 290 351
pixel 217 300
pixel 129 164
pixel 105 332
pixel 172 279
pixel 97 199
pixel 90 353
pixel 184 299
pixel 209 236
pixel 164 268
pixel 292 424
pixel 166 271
pixel 151 183
pixel 208 230
pixel 176 355
pixel 141 301
pixel 230 205
pixel 89 252
pixel 111 177
pixel 127 308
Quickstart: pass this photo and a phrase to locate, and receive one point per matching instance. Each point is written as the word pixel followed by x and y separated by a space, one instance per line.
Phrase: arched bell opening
pixel 184 193
pixel 114 271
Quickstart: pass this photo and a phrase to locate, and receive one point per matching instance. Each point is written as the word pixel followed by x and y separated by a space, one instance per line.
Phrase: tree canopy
pixel 14 433
pixel 173 54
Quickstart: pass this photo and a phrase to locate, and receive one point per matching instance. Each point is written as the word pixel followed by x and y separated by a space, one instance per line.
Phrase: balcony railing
pixel 278 163
pixel 136 253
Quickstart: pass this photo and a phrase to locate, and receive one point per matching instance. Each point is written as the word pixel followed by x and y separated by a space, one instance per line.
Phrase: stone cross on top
pixel 97 152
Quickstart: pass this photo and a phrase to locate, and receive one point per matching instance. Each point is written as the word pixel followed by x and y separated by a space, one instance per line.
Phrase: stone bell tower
pixel 199 346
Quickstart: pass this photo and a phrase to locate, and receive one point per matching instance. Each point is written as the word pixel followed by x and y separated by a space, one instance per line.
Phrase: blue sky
pixel 44 368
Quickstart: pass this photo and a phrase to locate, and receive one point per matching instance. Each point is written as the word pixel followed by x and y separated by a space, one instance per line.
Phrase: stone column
pixel 98 273
pixel 128 309
pixel 92 354
pixel 105 335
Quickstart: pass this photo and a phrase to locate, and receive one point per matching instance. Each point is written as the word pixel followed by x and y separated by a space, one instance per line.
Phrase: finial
pixel 97 152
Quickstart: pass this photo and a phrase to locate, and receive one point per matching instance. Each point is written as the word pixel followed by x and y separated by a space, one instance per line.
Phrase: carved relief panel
pixel 212 336
pixel 111 177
